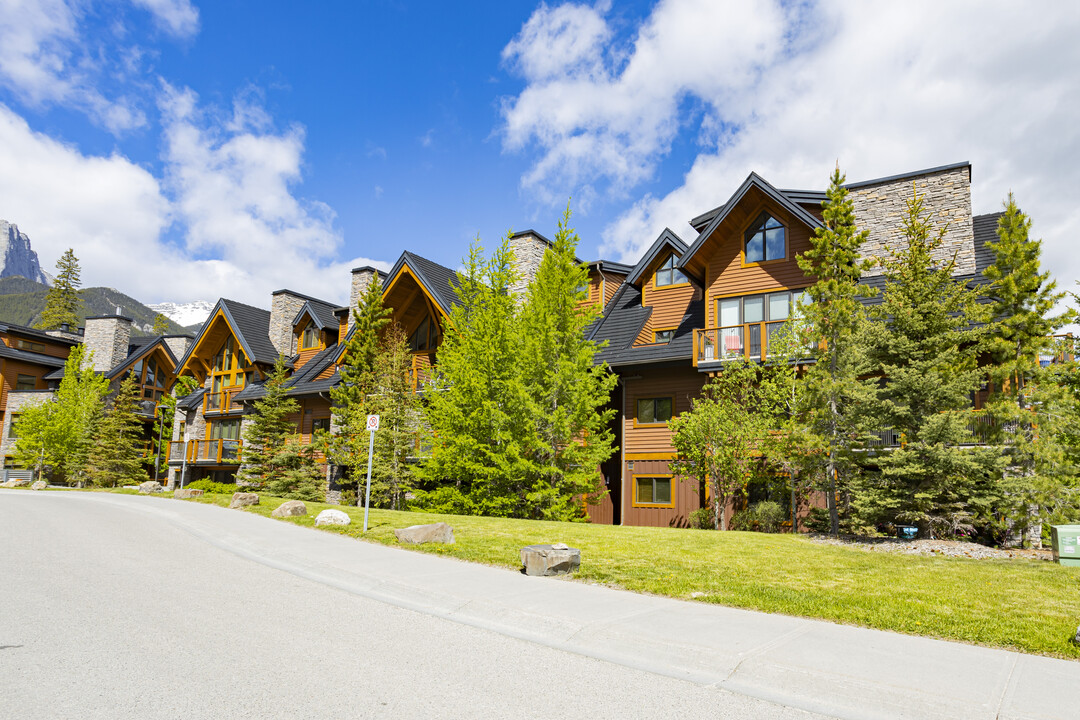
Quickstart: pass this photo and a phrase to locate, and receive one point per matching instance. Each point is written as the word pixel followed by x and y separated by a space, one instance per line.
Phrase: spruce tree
pixel 834 316
pixel 477 403
pixel 922 350
pixel 117 454
pixel 295 475
pixel 400 422
pixel 568 392
pixel 161 325
pixel 270 426
pixel 63 300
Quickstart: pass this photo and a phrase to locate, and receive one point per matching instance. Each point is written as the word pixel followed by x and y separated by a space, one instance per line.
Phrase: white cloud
pixel 177 17
pixel 883 88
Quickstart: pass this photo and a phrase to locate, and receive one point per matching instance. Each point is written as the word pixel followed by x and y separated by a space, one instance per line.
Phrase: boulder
pixel 331 517
pixel 185 493
pixel 15 483
pixel 417 534
pixel 39 485
pixel 557 559
pixel 241 499
pixel 290 508
pixel 1076 638
pixel 149 487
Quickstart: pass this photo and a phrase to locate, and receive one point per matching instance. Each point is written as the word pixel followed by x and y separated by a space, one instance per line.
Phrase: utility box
pixel 1066 544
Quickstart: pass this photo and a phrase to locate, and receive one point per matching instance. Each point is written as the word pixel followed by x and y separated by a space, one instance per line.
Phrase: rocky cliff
pixel 16 256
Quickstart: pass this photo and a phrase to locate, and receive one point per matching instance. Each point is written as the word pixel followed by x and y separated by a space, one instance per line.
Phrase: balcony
pixel 981 430
pixel 750 341
pixel 205 452
pixel 222 402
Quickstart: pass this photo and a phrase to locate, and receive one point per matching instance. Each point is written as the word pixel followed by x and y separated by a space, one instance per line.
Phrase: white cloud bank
pixel 787 91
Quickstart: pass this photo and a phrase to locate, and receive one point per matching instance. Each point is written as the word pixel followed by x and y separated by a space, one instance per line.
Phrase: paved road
pixel 122 606
pixel 111 610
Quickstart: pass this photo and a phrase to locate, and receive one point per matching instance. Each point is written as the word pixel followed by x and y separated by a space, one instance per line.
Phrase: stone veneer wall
pixel 283 311
pixel 881 207
pixel 108 339
pixel 528 251
pixel 17 401
pixel 178 345
pixel 361 278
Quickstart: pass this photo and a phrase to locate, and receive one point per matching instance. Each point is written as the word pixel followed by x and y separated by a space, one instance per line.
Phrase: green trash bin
pixel 1066 542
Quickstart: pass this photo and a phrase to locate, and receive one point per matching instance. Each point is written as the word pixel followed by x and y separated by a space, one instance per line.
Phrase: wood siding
pixel 9 375
pixel 50 349
pixel 304 356
pixel 725 273
pixel 668 308
pixel 685 496
pixel 679 383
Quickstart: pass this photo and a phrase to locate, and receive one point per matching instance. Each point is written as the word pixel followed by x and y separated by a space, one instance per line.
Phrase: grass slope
pixel 22 300
pixel 1025 605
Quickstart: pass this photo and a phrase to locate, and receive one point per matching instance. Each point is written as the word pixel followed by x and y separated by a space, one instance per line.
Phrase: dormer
pixel 666 290
pixel 605 278
pixel 315 328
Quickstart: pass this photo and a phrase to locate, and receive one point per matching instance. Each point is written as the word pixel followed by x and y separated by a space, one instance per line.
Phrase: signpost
pixel 372 426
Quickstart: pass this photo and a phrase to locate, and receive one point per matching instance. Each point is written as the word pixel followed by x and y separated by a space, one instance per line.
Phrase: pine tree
pixel 475 407
pixel 296 476
pixel 63 299
pixel 270 426
pixel 116 457
pixel 164 417
pixel 834 316
pixel 400 422
pixel 60 434
pixel 161 325
pixel 922 350
pixel 568 392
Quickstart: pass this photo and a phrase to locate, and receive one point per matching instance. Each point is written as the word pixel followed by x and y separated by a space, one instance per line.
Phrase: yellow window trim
pixel 662 423
pixel 633 489
pixel 650 456
pixel 663 329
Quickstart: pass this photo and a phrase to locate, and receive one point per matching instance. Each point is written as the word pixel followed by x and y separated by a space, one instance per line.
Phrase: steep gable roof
pixel 140 352
pixel 250 325
pixel 436 279
pixel 622 324
pixel 666 241
pixel 321 313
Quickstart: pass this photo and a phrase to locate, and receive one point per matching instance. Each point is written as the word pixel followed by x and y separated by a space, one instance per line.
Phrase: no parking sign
pixel 372 422
pixel 372 425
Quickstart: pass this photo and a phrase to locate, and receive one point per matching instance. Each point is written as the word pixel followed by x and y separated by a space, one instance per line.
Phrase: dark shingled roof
pixel 302 382
pixel 623 321
pixel 30 357
pixel 664 241
pixel 253 324
pixel 436 279
pixel 30 332
pixel 985 227
pixel 191 400
pixel 321 312
pixel 141 351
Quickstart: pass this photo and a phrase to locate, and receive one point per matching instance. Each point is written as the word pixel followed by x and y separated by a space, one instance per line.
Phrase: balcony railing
pixel 749 341
pixel 423 369
pixel 206 452
pixel 222 401
pixel 1061 353
pixel 981 430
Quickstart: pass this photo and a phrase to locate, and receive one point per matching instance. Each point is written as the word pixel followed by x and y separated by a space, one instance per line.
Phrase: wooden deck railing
pixel 749 341
pixel 222 402
pixel 206 452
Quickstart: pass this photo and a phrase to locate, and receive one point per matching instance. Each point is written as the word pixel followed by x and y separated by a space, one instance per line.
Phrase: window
pixel 309 338
pixel 663 336
pixel 667 274
pixel 322 424
pixel 653 410
pixel 769 307
pixel 652 491
pixel 425 337
pixel 765 240
pixel 228 364
pixel 31 346
pixel 225 430
pixel 13 429
pixel 25 382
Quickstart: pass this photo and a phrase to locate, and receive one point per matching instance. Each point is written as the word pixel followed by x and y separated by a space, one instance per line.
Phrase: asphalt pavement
pixel 115 606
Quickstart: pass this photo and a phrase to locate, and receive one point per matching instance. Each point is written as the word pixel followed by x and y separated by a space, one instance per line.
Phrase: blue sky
pixel 190 150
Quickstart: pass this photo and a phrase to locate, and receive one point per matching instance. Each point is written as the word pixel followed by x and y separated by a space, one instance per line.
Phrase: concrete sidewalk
pixel 830 669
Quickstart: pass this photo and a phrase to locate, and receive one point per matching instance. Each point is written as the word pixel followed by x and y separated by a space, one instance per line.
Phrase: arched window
pixel 765 240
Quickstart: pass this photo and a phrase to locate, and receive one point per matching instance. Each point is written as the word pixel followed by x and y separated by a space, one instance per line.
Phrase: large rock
pixel 331 517
pixel 185 493
pixel 39 485
pixel 150 487
pixel 290 508
pixel 417 534
pixel 15 483
pixel 240 500
pixel 557 559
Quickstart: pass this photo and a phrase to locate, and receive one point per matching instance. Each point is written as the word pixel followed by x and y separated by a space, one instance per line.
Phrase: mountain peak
pixel 17 257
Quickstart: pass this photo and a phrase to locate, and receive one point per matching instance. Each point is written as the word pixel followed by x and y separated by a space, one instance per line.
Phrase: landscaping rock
pixel 39 485
pixel 240 500
pixel 417 534
pixel 331 517
pixel 150 487
pixel 290 508
pixel 557 559
pixel 15 483
pixel 1076 638
pixel 185 493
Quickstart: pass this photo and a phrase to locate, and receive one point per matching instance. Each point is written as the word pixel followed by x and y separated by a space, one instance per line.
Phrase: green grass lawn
pixel 1032 606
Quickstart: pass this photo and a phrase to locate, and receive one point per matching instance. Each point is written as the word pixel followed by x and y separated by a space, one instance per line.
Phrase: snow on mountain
pixel 184 313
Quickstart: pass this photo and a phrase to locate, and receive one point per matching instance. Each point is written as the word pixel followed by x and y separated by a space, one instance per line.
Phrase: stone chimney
pixel 283 310
pixel 528 247
pixel 178 344
pixel 361 278
pixel 107 337
pixel 880 207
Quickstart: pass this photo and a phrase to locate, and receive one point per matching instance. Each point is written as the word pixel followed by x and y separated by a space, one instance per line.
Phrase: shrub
pixel 765 516
pixel 209 486
pixel 701 519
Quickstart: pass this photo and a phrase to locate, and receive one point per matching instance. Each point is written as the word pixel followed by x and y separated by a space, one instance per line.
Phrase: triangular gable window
pixel 765 240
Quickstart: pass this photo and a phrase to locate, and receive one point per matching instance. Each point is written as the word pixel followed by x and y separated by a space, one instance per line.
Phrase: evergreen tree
pixel 161 325
pixel 295 475
pixel 567 391
pixel 400 422
pixel 164 418
pixel 834 316
pixel 60 434
pixel 63 299
pixel 1023 299
pixel 348 446
pixel 477 402
pixel 922 351
pixel 116 457
pixel 270 426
